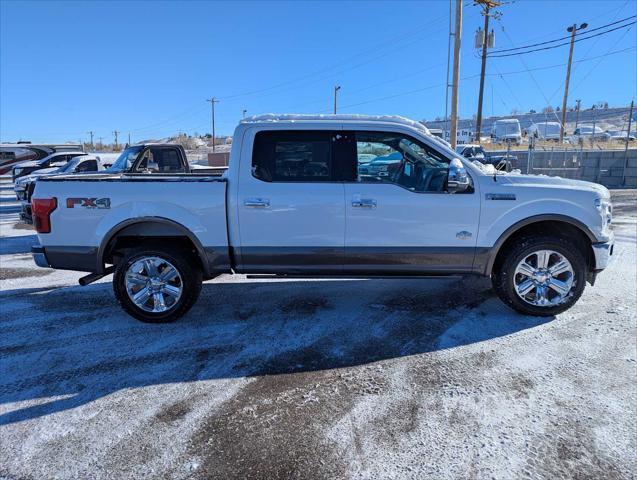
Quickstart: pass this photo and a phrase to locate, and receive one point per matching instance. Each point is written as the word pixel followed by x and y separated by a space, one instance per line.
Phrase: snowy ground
pixel 316 379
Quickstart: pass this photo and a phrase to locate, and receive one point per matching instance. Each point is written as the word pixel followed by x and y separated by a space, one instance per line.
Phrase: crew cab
pixel 294 202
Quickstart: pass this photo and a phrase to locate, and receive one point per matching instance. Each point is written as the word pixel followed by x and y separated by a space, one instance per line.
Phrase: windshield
pixel 69 166
pixel 507 128
pixel 125 161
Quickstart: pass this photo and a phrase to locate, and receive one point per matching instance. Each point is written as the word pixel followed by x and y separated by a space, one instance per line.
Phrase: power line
pixel 397 39
pixel 601 59
pixel 546 67
pixel 561 38
pixel 582 38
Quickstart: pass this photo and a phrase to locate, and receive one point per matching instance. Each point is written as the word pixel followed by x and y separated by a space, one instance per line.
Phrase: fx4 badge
pixel 464 235
pixel 88 202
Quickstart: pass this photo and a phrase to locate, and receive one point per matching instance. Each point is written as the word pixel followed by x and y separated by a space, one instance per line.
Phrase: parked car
pixel 54 160
pixel 507 130
pixel 13 153
pixel 545 131
pixel 24 186
pixel 382 166
pixel 472 151
pixel 620 136
pixel 585 132
pixel 539 238
pixel 502 163
pixel 157 158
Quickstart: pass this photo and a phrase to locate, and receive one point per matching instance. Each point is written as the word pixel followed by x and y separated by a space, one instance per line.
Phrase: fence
pixel 611 168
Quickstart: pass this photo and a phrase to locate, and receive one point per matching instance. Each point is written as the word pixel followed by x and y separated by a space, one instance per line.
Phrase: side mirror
pixel 152 167
pixel 457 178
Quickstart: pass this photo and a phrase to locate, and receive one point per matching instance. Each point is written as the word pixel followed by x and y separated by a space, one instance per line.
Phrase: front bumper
pixel 604 253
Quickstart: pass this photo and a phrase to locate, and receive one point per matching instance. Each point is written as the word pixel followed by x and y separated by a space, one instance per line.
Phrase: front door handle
pixel 364 203
pixel 257 202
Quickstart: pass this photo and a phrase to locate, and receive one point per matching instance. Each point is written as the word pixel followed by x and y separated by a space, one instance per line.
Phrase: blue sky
pixel 147 67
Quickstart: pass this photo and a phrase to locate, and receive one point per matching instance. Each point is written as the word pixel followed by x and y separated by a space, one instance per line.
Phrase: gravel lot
pixel 316 379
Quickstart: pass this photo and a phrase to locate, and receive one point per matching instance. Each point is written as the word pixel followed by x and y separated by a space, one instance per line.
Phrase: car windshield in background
pixel 69 166
pixel 125 161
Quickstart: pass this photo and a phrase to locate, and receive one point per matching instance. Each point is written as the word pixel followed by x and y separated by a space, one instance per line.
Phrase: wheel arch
pixel 546 223
pixel 144 227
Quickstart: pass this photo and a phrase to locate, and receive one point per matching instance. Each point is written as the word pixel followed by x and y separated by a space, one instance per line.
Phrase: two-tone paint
pixel 242 224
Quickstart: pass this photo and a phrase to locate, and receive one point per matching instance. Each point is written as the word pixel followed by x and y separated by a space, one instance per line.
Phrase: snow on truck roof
pixel 291 118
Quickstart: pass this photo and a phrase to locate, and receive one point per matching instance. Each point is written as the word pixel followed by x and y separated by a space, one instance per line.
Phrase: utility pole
pixel 456 74
pixel 115 132
pixel 91 134
pixel 336 89
pixel 630 119
pixel 573 30
pixel 447 84
pixel 212 101
pixel 577 107
pixel 129 139
pixel 487 5
pixel 594 125
pixel 101 144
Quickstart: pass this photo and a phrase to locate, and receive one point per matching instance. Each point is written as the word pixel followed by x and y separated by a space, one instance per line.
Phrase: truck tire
pixel 157 284
pixel 541 275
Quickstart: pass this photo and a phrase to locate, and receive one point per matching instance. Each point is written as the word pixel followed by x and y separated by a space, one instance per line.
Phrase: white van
pixel 507 130
pixel 545 131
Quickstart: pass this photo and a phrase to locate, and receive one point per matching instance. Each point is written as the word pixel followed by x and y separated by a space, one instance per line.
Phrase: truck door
pixel 291 204
pixel 401 219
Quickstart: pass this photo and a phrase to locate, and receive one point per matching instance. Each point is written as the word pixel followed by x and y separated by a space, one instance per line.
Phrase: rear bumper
pixel 604 253
pixel 81 259
pixel 39 256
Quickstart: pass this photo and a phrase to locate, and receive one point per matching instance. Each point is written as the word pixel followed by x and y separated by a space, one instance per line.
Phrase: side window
pixel 293 156
pixel 160 160
pixel 385 157
pixel 87 166
pixel 142 164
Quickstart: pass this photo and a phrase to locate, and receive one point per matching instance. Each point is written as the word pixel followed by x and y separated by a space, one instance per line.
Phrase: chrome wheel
pixel 544 278
pixel 153 284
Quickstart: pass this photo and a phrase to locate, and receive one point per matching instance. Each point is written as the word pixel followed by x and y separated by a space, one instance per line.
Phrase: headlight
pixel 16 171
pixel 605 209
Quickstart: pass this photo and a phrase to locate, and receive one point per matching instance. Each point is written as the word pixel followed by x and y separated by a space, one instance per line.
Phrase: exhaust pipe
pixel 94 277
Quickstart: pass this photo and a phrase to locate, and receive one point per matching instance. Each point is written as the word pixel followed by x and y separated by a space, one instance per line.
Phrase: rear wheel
pixel 157 285
pixel 541 276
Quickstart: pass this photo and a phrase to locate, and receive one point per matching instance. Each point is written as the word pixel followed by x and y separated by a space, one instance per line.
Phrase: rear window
pixel 292 156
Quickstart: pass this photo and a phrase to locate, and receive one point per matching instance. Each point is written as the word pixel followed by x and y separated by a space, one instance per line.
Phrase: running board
pixel 266 276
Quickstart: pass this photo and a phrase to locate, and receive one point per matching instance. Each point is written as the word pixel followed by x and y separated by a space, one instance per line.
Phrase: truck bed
pixel 93 208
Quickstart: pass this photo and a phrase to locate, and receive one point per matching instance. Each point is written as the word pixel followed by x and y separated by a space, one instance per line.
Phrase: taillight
pixel 41 209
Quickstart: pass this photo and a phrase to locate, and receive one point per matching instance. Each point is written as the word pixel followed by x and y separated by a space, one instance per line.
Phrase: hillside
pixel 607 119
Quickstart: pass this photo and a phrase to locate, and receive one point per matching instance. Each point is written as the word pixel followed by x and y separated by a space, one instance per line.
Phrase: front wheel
pixel 157 285
pixel 541 276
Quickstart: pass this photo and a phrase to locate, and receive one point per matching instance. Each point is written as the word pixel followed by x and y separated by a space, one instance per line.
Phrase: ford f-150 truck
pixel 295 202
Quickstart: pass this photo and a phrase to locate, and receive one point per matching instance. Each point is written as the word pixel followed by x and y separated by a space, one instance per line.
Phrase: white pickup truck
pixel 294 201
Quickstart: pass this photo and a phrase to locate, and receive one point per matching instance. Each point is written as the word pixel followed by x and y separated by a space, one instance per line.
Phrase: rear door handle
pixel 364 203
pixel 257 202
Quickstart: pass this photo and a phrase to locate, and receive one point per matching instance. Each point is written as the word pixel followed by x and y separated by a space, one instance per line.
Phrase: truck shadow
pixel 88 350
